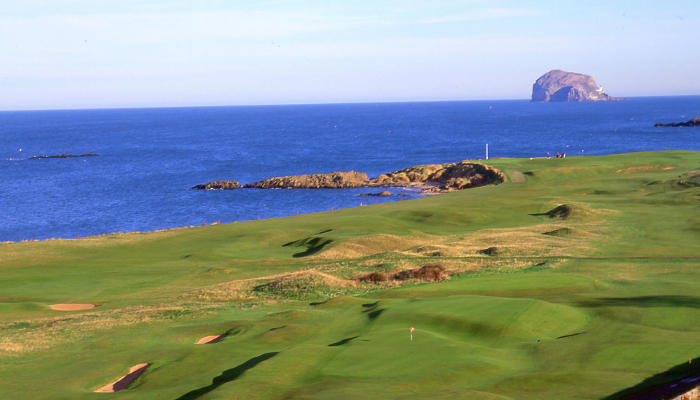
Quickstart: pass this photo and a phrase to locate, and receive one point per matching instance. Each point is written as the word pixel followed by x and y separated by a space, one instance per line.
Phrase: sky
pixel 62 54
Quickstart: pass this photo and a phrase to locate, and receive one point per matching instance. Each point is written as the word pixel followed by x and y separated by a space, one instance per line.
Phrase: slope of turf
pixel 589 288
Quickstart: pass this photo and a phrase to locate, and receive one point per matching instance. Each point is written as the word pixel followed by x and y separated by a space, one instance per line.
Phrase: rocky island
pixel 435 178
pixel 562 86
pixel 692 122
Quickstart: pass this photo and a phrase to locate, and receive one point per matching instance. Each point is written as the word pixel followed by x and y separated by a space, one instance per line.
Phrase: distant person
pixel 563 155
pixel 547 154
pixel 557 154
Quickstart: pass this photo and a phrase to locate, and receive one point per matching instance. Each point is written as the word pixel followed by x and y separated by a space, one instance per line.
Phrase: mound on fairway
pixel 124 381
pixel 72 306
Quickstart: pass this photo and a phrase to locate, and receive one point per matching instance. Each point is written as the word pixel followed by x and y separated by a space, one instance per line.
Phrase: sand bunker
pixel 72 307
pixel 125 380
pixel 210 339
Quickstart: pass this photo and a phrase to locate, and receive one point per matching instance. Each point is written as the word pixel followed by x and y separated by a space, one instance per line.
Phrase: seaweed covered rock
pixel 219 185
pixel 692 122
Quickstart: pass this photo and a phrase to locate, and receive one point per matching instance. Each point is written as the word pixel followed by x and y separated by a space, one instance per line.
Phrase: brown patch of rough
pixel 124 381
pixel 643 168
pixel 211 339
pixel 72 307
pixel 426 273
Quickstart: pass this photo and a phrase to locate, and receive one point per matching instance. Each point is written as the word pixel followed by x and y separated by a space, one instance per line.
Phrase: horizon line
pixel 306 104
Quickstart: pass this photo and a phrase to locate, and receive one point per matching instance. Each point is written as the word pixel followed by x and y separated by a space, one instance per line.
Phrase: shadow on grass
pixel 664 385
pixel 342 342
pixel 228 376
pixel 644 301
pixel 562 212
pixel 313 245
pixel 374 314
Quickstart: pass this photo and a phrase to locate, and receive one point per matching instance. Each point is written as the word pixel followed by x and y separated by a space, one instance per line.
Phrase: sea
pixel 150 158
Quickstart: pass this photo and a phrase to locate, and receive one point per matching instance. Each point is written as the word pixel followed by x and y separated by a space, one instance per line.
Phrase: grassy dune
pixel 580 282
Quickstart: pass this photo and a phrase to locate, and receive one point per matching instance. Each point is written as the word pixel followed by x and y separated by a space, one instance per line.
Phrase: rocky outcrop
pixel 219 185
pixel 560 86
pixel 437 178
pixel 692 122
pixel 380 194
pixel 334 180
pixel 461 175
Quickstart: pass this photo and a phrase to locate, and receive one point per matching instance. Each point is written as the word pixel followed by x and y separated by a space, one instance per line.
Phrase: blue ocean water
pixel 149 158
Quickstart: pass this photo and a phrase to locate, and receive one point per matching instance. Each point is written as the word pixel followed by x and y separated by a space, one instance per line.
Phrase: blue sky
pixel 104 53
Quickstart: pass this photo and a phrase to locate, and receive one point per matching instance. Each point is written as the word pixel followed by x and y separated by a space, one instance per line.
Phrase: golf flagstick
pixel 412 329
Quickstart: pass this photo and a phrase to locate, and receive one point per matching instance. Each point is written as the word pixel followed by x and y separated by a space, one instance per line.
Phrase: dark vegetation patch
pixel 529 173
pixel 428 251
pixel 491 251
pixel 541 266
pixel 374 277
pixel 691 179
pixel 562 212
pixel 302 288
pixel 561 232
pixel 426 273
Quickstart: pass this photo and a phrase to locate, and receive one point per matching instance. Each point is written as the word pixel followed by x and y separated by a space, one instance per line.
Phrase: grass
pixel 580 282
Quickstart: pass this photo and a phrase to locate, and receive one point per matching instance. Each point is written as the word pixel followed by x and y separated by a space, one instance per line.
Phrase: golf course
pixel 577 278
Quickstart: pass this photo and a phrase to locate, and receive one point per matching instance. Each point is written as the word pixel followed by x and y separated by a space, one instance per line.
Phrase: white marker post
pixel 487 151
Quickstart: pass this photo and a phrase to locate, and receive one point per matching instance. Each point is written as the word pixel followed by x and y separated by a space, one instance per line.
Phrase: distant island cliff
pixel 558 85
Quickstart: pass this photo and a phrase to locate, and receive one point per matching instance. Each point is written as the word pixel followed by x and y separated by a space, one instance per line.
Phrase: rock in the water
pixel 219 185
pixel 64 155
pixel 558 85
pixel 692 122
pixel 334 180
pixel 380 194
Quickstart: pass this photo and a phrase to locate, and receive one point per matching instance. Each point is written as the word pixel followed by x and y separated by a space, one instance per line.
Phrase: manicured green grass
pixel 580 304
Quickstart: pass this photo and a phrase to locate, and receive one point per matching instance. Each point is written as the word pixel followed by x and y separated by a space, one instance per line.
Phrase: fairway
pixel 577 278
